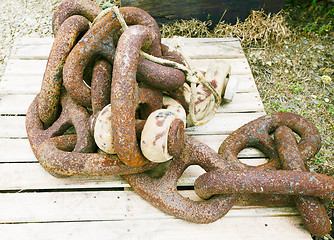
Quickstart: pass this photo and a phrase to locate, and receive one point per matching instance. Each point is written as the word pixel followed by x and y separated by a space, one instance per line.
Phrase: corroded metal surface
pixel 101 85
pixel 48 104
pixel 56 112
pixel 94 65
pixel 228 176
pixel 257 134
pixel 310 208
pixel 68 8
pixel 100 40
pixel 265 181
pixel 68 155
pixel 293 180
pixel 126 95
pixel 162 192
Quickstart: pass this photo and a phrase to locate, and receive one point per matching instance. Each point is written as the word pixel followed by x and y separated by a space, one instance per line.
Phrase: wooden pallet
pixel 35 205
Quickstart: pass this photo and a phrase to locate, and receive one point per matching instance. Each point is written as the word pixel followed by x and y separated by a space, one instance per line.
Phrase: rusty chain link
pixel 227 175
pixel 96 75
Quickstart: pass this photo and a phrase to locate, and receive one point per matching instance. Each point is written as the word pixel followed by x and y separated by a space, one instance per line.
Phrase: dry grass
pixel 187 28
pixel 259 29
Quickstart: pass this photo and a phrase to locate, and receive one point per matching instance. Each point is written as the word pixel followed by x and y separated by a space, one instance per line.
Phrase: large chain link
pixel 93 65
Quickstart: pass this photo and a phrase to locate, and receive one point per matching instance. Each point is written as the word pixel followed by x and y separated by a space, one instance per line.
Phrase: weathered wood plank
pixel 30 50
pixel 238 66
pixel 242 102
pixel 24 176
pixel 19 150
pixel 21 84
pixel 221 124
pixel 15 104
pixel 31 84
pixel 16 150
pixel 26 48
pixel 260 228
pixel 22 41
pixel 13 127
pixel 206 51
pixel 100 205
pixel 37 67
pixel 214 142
pixel 25 67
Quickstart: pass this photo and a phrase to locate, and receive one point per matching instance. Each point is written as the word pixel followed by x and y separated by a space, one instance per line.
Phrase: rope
pixel 113 8
pixel 192 76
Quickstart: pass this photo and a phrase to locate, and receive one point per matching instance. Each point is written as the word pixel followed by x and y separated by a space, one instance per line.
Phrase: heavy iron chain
pixel 78 85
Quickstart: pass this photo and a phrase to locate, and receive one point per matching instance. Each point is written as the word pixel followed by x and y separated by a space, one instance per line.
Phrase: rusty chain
pixel 98 90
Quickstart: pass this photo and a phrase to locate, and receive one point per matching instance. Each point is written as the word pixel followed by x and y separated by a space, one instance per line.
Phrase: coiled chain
pixel 97 94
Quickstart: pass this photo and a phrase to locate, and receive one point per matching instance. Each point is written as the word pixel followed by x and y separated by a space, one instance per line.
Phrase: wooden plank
pixel 246 83
pixel 242 102
pixel 32 176
pixel 199 49
pixel 238 66
pixel 25 67
pixel 214 142
pixel 221 124
pixel 14 127
pixel 24 176
pixel 260 228
pixel 19 150
pixel 213 51
pixel 21 84
pixel 16 150
pixel 37 67
pixel 101 205
pixel 31 84
pixel 33 48
pixel 15 104
pixel 22 41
